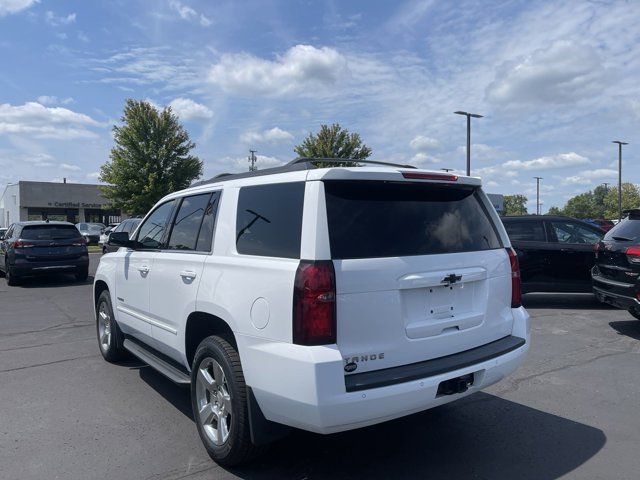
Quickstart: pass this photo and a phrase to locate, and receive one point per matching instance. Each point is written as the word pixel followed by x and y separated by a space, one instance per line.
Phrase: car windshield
pixel 95 227
pixel 49 232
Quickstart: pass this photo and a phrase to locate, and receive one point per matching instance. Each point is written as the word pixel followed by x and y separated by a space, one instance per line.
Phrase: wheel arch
pixel 98 287
pixel 201 325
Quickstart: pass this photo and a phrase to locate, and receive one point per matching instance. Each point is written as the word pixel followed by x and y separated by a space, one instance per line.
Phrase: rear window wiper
pixel 623 239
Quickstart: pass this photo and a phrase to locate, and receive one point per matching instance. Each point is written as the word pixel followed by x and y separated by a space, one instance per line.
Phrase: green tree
pixel 333 142
pixel 555 211
pixel 515 205
pixel 630 199
pixel 150 158
pixel 581 206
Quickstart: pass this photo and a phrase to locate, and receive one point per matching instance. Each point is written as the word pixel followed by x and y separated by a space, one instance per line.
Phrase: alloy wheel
pixel 104 326
pixel 214 401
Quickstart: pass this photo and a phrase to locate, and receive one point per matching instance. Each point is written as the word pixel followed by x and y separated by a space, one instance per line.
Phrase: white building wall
pixel 10 205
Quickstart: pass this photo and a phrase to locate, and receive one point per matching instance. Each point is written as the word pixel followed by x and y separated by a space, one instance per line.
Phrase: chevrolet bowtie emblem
pixel 451 278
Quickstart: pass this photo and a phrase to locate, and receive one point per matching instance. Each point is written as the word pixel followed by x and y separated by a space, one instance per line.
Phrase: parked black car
pixel 127 226
pixel 32 248
pixel 616 274
pixel 555 252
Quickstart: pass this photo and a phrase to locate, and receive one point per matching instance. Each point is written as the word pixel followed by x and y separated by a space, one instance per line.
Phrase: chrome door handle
pixel 143 269
pixel 188 274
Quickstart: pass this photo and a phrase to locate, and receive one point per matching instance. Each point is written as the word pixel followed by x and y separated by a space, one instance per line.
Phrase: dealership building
pixel 71 202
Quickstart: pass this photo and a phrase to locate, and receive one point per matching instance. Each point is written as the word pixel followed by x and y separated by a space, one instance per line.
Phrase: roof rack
pixel 301 163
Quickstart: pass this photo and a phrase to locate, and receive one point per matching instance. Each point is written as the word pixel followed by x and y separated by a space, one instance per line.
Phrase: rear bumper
pixel 617 300
pixel 23 267
pixel 305 387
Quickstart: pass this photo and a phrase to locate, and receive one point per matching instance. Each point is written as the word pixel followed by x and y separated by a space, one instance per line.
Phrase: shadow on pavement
pixel 580 301
pixel 482 436
pixel 630 328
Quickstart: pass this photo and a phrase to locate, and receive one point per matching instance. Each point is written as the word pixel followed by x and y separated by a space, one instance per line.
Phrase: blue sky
pixel 556 81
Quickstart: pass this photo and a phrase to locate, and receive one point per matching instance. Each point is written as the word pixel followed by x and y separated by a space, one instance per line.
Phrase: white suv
pixel 325 299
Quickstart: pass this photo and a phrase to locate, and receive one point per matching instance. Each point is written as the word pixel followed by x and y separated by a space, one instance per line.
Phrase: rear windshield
pixel 629 228
pixel 385 219
pixel 49 232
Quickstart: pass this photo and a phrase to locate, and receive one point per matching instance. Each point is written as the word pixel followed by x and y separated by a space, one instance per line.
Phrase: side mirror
pixel 120 239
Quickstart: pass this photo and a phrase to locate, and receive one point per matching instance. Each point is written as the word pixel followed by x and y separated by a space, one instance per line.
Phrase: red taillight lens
pixel 516 284
pixel 22 244
pixel 446 177
pixel 633 254
pixel 314 303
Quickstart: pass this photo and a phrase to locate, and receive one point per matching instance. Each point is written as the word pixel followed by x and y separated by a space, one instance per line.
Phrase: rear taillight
pixel 22 244
pixel 633 254
pixel 78 242
pixel 596 249
pixel 447 177
pixel 516 286
pixel 314 303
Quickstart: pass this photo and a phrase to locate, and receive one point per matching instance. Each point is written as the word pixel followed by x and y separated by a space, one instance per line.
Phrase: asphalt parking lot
pixel 570 412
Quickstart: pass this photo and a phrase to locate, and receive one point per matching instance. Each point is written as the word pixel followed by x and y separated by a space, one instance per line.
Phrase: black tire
pixel 82 274
pixel 11 277
pixel 111 347
pixel 237 448
pixel 635 312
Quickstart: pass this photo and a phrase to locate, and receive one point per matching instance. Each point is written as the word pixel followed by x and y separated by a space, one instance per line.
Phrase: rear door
pixel 421 271
pixel 572 261
pixel 135 271
pixel 177 270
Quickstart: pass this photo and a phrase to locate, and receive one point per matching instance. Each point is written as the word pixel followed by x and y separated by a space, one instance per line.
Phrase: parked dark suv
pixel 32 248
pixel 616 274
pixel 555 252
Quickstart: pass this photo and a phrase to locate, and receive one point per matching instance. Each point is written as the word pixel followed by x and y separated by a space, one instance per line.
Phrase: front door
pixel 178 270
pixel 136 270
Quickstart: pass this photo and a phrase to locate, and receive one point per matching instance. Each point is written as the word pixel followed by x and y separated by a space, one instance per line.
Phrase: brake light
pixel 23 244
pixel 314 303
pixel 633 254
pixel 79 242
pixel 446 177
pixel 516 284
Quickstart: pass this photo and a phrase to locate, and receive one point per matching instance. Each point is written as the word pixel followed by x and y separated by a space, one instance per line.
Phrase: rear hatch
pixel 421 271
pixel 617 259
pixel 50 243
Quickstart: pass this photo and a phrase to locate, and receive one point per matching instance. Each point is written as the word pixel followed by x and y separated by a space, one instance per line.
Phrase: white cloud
pixel 273 136
pixel 301 68
pixel 187 109
pixel 422 143
pixel 93 175
pixel 188 13
pixel 561 160
pixel 58 21
pixel 45 122
pixel 563 73
pixel 69 167
pixel 8 7
pixel 53 100
pixel 590 176
pixel 422 158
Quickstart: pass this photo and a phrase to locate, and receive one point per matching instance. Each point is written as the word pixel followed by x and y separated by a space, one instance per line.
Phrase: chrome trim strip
pixel 615 283
pixel 146 319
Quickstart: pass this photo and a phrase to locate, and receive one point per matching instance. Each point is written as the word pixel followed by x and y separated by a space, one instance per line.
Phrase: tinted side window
pixel 205 236
pixel 369 219
pixel 187 223
pixel 269 220
pixel 152 230
pixel 571 232
pixel 525 231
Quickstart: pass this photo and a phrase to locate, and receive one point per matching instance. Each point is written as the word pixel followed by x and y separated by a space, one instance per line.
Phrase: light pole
pixel 538 194
pixel 619 176
pixel 447 169
pixel 469 115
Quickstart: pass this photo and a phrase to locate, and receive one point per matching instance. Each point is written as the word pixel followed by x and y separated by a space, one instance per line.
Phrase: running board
pixel 145 354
